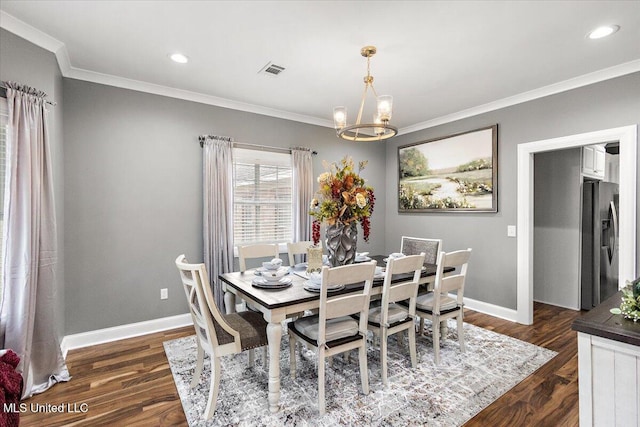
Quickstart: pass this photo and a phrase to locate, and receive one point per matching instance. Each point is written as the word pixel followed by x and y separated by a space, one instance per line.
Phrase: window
pixel 262 198
pixel 4 122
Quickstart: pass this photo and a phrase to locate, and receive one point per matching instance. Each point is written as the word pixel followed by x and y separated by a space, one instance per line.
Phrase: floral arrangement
pixel 630 306
pixel 342 197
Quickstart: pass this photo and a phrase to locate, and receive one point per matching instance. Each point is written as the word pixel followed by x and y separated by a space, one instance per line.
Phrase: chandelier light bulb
pixel 340 117
pixel 377 120
pixel 385 106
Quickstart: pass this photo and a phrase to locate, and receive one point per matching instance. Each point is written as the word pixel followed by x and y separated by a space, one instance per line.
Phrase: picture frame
pixel 454 173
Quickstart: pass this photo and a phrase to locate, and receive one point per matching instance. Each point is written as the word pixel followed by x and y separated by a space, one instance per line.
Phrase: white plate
pixel 260 282
pixel 270 286
pixel 362 259
pixel 315 289
pixel 309 284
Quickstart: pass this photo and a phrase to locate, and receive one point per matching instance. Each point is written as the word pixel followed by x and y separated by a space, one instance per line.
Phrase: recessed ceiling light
pixel 604 31
pixel 179 58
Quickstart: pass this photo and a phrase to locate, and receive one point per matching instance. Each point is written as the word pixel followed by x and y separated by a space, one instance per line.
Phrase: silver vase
pixel 341 241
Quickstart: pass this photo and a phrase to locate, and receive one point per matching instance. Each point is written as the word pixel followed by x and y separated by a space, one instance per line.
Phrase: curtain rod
pixel 237 144
pixel 3 86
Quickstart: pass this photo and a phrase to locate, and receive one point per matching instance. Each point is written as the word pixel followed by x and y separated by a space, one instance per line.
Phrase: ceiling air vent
pixel 271 69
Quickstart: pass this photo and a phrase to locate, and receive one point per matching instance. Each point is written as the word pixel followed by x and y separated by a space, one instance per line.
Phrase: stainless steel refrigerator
pixel 599 242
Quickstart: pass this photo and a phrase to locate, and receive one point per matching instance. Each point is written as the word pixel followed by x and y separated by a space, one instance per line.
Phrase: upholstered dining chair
pixel 391 318
pixel 298 248
pixel 253 251
pixel 416 245
pixel 438 305
pixel 216 334
pixel 333 330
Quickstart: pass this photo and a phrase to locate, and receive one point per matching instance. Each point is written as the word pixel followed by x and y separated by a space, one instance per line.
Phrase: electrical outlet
pixel 164 293
pixel 511 231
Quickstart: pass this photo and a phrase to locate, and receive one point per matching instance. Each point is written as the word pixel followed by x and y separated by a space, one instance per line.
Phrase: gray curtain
pixel 302 193
pixel 218 210
pixel 27 315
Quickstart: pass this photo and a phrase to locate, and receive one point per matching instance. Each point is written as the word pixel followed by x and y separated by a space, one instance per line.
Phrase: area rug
pixel 447 395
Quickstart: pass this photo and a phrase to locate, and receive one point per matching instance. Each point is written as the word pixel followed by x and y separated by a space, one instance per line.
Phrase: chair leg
pixel 364 373
pixel 436 338
pixel 321 401
pixel 421 330
pixel 292 356
pixel 213 388
pixel 412 347
pixel 252 357
pixel 400 339
pixel 460 334
pixel 383 356
pixel 199 363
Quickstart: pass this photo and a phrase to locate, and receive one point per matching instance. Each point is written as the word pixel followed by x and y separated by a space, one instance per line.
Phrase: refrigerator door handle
pixel 613 215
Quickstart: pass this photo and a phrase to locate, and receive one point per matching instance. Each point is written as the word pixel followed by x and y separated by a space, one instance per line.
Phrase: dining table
pixel 277 305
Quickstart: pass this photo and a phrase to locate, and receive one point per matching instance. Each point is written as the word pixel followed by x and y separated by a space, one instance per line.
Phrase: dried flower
pixel 343 197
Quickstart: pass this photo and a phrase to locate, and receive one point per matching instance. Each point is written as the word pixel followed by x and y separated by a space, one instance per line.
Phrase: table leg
pixel 274 335
pixel 229 302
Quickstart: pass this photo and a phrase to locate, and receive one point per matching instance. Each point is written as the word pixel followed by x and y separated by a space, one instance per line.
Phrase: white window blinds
pixel 262 197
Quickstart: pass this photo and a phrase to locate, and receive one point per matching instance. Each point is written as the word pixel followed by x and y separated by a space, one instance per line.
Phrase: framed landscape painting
pixel 456 173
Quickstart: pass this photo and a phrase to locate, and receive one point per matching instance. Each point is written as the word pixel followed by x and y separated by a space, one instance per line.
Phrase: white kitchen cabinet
pixel 593 161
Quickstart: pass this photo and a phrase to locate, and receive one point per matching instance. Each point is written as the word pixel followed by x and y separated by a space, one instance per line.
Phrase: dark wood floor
pixel 129 382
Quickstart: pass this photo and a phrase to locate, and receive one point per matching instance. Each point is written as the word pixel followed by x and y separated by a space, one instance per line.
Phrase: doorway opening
pixel 627 139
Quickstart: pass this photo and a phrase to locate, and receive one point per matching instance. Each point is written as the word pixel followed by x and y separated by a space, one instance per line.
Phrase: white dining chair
pixel 299 248
pixel 438 305
pixel 255 251
pixel 391 318
pixel 333 330
pixel 217 334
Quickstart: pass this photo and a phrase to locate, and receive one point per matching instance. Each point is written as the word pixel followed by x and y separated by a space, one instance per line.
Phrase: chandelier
pixel 380 128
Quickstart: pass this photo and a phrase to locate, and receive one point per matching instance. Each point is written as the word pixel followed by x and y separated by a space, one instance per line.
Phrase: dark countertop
pixel 602 323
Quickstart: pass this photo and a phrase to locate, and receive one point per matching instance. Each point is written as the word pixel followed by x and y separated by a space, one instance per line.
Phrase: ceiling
pixel 441 60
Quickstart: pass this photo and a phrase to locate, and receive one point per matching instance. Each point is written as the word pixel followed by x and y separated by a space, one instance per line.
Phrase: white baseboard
pixel 558 305
pixel 116 333
pixel 490 309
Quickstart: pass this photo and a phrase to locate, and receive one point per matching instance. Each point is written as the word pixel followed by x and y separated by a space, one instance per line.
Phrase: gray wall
pixel 556 234
pixel 134 194
pixel 28 64
pixel 492 276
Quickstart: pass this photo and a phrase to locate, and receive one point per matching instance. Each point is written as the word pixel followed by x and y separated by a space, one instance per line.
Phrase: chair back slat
pixel 417 245
pixel 345 305
pixel 452 283
pixel 266 250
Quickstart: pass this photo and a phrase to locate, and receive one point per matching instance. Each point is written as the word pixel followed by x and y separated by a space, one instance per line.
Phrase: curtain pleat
pixel 218 211
pixel 27 315
pixel 302 193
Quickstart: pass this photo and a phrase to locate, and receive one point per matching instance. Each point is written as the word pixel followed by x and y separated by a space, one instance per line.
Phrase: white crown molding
pixel 101 336
pixel 121 82
pixel 563 86
pixel 39 38
pixel 27 32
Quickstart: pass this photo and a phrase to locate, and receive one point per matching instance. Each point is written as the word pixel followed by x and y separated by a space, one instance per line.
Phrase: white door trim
pixel 627 136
